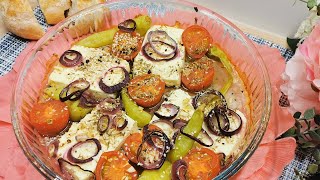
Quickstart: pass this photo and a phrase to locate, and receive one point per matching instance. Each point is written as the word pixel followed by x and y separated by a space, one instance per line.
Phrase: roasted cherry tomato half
pixel 126 45
pixel 146 90
pixel 202 164
pixel 198 75
pixel 50 117
pixel 197 41
pixel 131 145
pixel 114 165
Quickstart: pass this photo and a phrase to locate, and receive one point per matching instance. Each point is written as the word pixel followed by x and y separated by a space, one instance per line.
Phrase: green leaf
pixel 314 136
pixel 317 119
pixel 293 43
pixel 290 133
pixel 297 115
pixel 316 154
pixel 311 3
pixel 312 168
pixel 309 113
pixel 308 145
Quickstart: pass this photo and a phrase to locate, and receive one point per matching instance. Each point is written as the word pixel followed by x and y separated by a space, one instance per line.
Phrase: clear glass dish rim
pixel 231 170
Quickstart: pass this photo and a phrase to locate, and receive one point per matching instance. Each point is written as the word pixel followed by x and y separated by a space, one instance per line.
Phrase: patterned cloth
pixel 11 46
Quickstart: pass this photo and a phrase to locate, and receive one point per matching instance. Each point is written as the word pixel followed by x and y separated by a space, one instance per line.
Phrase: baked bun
pixel 78 5
pixel 54 10
pixel 20 20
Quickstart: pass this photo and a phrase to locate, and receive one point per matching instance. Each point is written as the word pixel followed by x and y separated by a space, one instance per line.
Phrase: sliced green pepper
pixel 216 51
pixel 134 111
pixel 164 173
pixel 183 143
pixel 98 39
pixel 143 24
pixel 77 112
pixel 104 38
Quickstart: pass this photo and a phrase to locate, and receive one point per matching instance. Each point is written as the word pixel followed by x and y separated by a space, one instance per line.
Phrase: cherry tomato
pixel 114 165
pixel 146 90
pixel 202 164
pixel 198 75
pixel 196 40
pixel 50 117
pixel 126 45
pixel 131 145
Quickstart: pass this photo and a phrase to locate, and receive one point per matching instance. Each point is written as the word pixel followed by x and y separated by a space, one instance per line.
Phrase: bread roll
pixel 54 10
pixel 20 20
pixel 78 5
pixel 87 23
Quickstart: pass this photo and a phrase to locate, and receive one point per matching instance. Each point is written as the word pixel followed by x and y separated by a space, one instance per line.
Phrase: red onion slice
pixel 179 123
pixel 109 106
pixel 119 122
pixel 219 118
pixel 74 90
pixel 84 151
pixel 72 171
pixel 128 25
pixel 167 111
pixel 203 138
pixel 162 43
pixel 179 170
pixel 89 99
pixel 153 156
pixel 111 82
pixel 152 55
pixel 204 97
pixel 71 58
pixel 103 124
pixel 53 148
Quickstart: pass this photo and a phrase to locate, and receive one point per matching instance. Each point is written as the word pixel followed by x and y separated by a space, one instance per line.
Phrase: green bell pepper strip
pixel 216 51
pixel 104 38
pixel 183 143
pixel 134 111
pixel 164 173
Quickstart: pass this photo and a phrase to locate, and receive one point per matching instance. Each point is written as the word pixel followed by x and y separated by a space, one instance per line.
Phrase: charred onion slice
pixel 152 55
pixel 74 90
pixel 162 43
pixel 88 99
pixel 167 111
pixel 114 80
pixel 152 157
pixel 73 171
pixel 71 58
pixel 179 123
pixel 128 25
pixel 119 122
pixel 109 106
pixel 179 170
pixel 207 97
pixel 203 138
pixel 219 118
pixel 103 124
pixel 84 151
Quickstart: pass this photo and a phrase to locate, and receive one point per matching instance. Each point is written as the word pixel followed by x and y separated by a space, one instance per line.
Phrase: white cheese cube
pixel 96 63
pixel 169 71
pixel 87 128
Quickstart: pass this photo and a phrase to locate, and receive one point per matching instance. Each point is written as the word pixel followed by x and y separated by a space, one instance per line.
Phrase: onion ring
pixel 71 58
pixel 74 90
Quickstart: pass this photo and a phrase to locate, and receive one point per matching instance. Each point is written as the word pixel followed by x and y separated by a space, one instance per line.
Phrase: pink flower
pixel 301 73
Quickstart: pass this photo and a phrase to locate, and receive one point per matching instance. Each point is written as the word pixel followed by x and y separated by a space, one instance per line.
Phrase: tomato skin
pixel 50 117
pixel 146 90
pixel 198 75
pixel 196 40
pixel 203 164
pixel 120 39
pixel 113 165
pixel 131 145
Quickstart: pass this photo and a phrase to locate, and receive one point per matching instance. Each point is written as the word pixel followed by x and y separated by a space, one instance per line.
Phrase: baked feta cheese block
pixel 169 71
pixel 87 129
pixel 96 62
